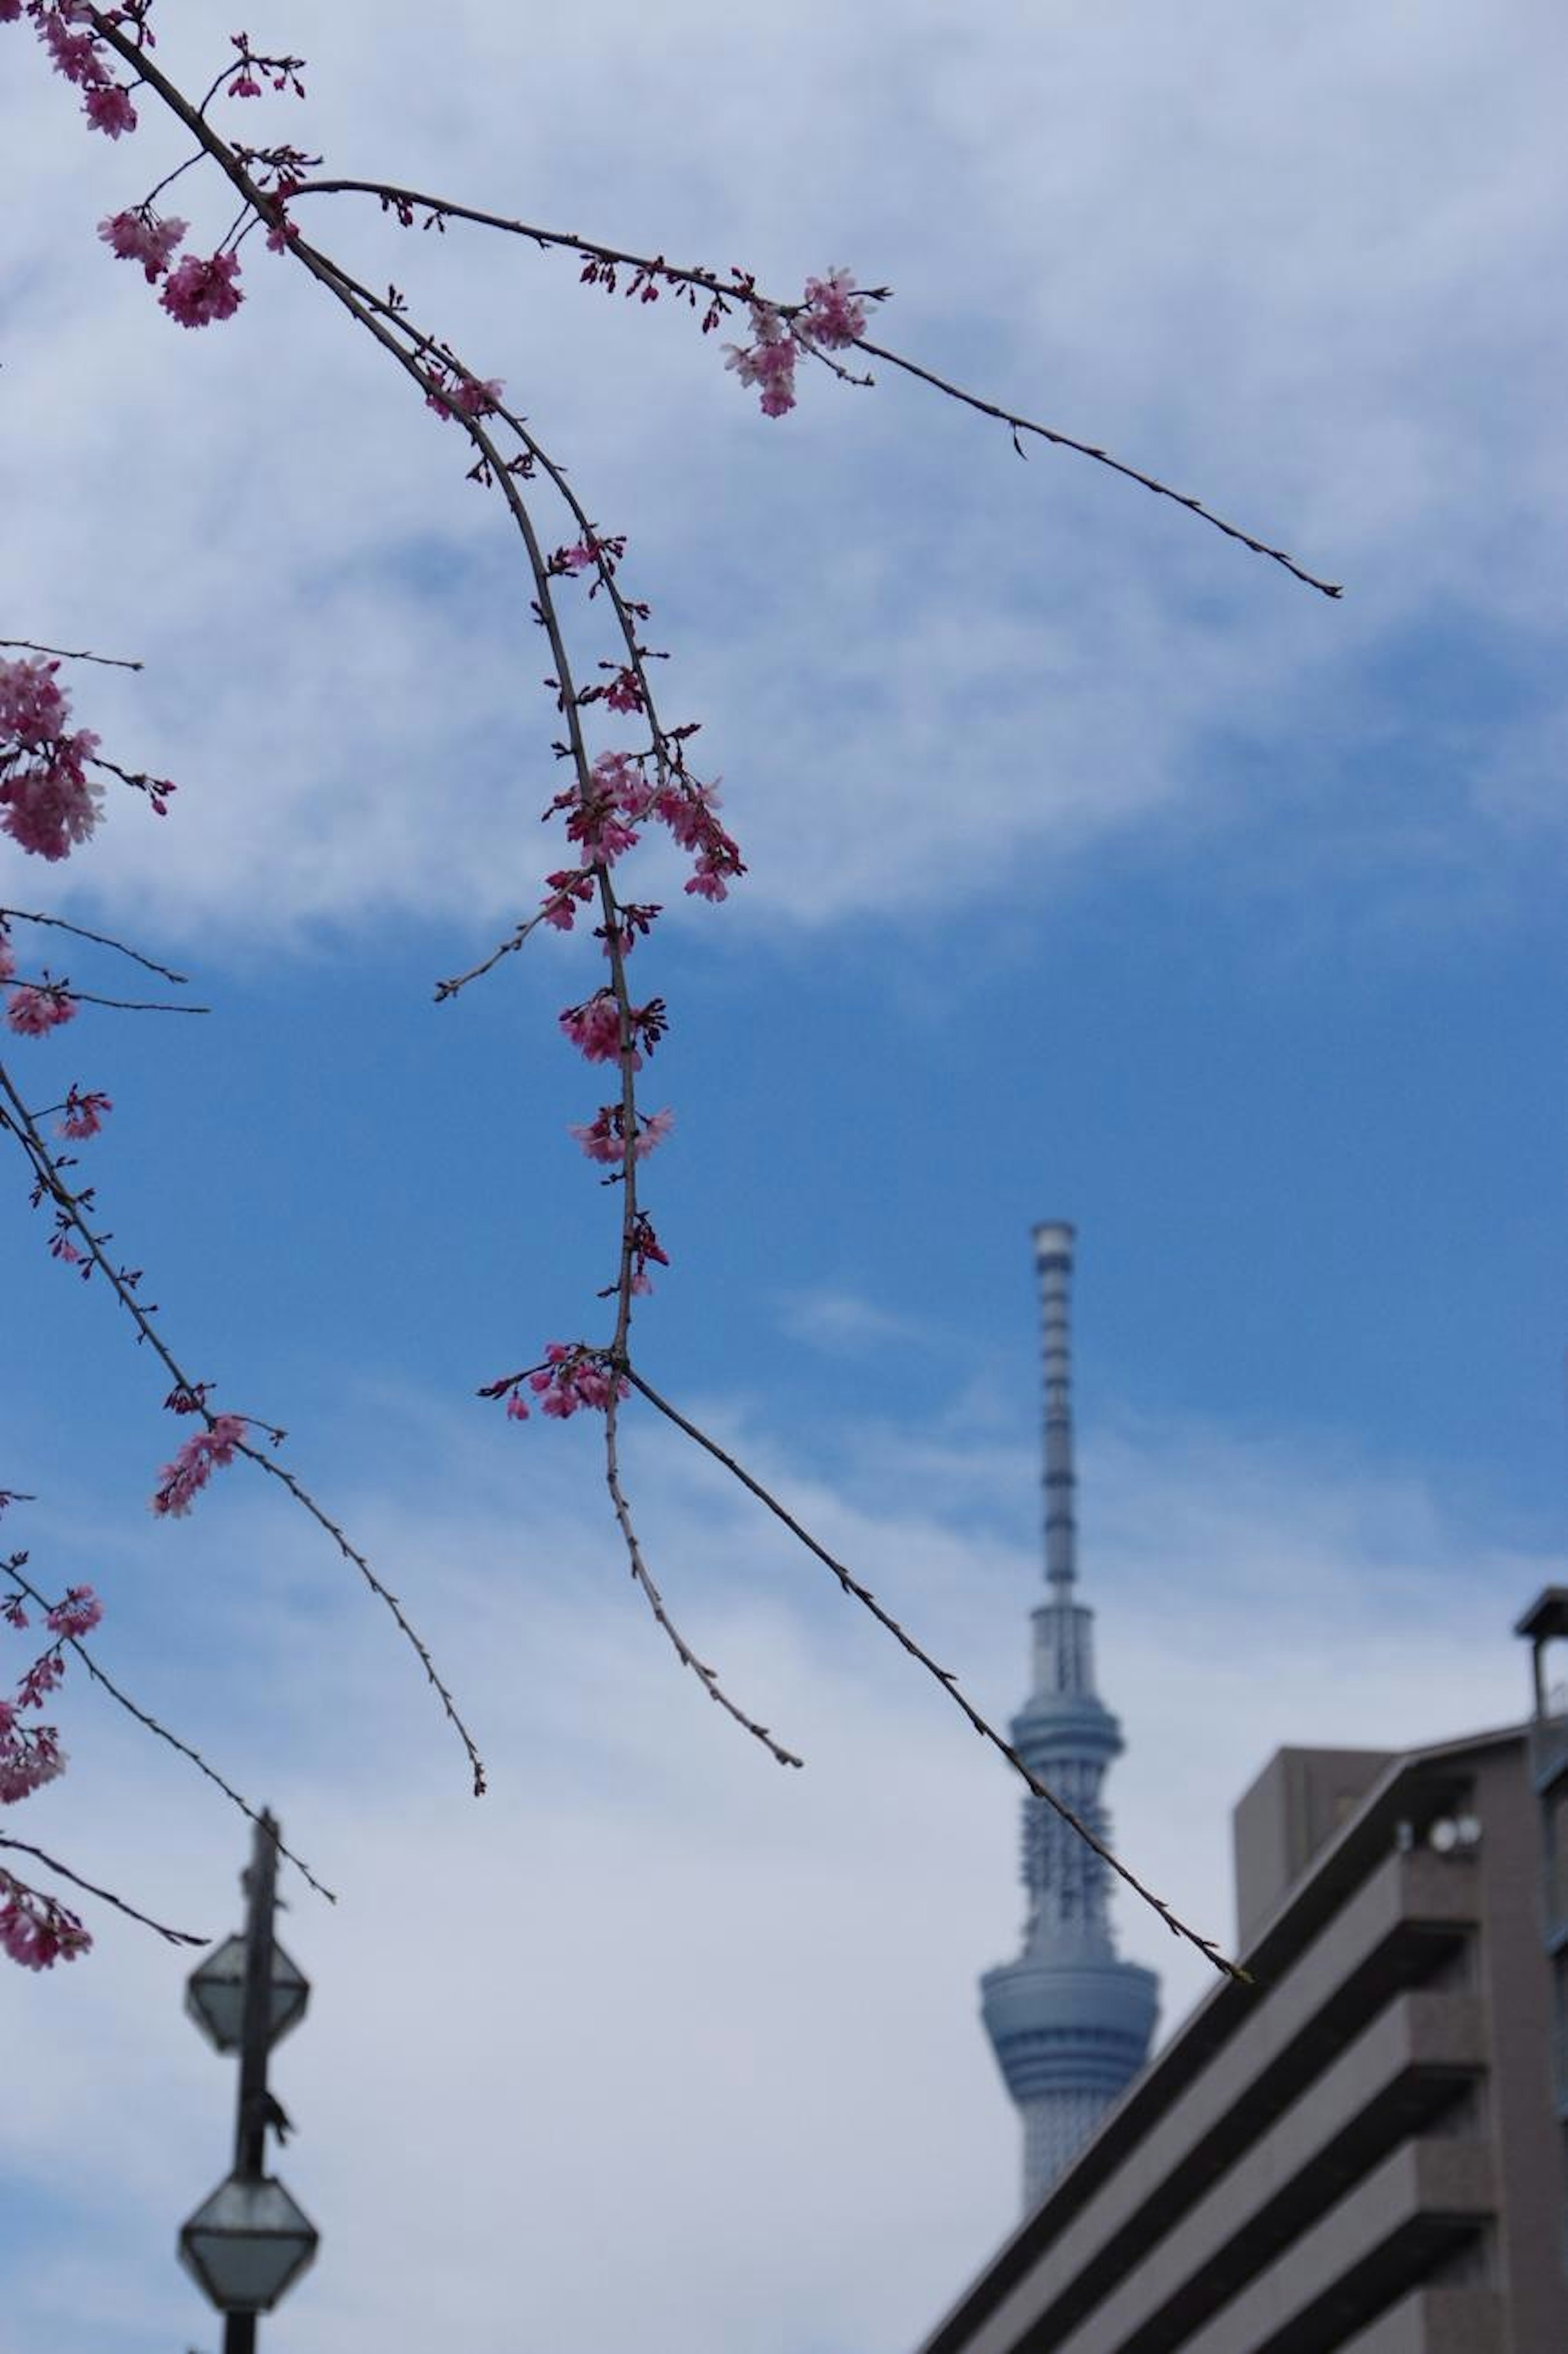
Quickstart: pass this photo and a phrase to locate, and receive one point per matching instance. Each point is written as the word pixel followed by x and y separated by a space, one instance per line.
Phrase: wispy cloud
pixel 843 1323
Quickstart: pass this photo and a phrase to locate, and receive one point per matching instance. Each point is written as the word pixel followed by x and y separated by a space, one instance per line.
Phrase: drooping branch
pixel 99 940
pixel 174 1936
pixel 947 1676
pixel 152 1725
pixel 18 1121
pixel 63 653
pixel 652 271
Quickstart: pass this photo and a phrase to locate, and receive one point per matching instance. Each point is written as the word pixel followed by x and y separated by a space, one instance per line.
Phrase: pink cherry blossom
pixel 33 708
pixel 34 1013
pixel 181 1480
pixel 30 1755
pixel 455 393
pixel 50 808
pixel 138 237
pixel 569 887
pixel 37 1931
pixel 75 55
pixel 7 961
pixel 76 1615
pixel 571 1377
pixel 199 291
pixel 84 1114
pixel 833 315
pixel 604 1138
pixel 769 363
pixel 623 692
pixel 594 1028
pixel 109 108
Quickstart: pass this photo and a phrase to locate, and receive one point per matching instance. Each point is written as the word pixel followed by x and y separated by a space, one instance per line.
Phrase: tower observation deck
pixel 1069 2020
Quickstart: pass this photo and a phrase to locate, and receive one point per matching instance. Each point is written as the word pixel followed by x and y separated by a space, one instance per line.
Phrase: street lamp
pixel 248 2243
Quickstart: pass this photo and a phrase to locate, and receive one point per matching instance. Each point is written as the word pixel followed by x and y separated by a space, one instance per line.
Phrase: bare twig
pixel 1018 425
pixel 99 940
pixel 508 947
pixel 946 1677
pixel 174 1936
pixel 708 1675
pixel 115 1004
pixel 153 1725
pixel 62 654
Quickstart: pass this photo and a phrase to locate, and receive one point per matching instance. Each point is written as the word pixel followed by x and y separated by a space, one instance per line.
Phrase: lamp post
pixel 248 2243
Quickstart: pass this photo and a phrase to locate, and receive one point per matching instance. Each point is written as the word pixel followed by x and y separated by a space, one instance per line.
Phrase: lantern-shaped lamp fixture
pixel 247 2243
pixel 214 1995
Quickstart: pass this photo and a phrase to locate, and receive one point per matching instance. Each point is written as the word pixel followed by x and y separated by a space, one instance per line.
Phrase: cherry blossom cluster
pixel 605 823
pixel 571 1375
pixel 206 1451
pixel 47 801
pixel 33 1008
pixel 198 290
pixel 31 1755
pixel 65 29
pixel 37 1931
pixel 452 392
pixel 829 319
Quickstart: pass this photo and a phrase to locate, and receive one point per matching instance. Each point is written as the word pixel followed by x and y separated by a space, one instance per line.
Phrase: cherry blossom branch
pixel 947 1676
pixel 69 1206
pixel 99 940
pixel 652 271
pixel 411 349
pixel 162 1733
pixel 173 1937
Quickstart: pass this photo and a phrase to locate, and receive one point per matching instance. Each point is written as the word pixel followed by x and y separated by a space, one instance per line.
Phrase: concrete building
pixel 1362 2152
pixel 1070 2022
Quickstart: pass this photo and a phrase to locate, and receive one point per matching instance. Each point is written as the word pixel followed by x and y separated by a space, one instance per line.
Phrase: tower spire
pixel 1054 1264
pixel 1069 2020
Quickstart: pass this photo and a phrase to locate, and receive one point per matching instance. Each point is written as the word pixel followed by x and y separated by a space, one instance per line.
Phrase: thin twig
pixel 946 1677
pixel 62 654
pixel 708 1675
pixel 22 1124
pixel 116 1005
pixel 153 1725
pixel 174 1936
pixel 1017 425
pixel 99 940
pixel 445 988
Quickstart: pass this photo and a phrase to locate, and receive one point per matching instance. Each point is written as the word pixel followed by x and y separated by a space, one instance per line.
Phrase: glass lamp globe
pixel 247 2245
pixel 214 1995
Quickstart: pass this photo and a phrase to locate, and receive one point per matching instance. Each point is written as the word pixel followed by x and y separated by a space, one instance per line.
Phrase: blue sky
pixel 1098 871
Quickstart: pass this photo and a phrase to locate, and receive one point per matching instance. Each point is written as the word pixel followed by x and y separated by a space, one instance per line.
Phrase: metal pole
pixel 250 2123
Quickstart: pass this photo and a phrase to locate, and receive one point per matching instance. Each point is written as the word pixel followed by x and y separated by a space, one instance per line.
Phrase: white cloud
pixel 843 1323
pixel 1304 283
